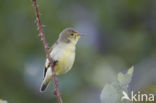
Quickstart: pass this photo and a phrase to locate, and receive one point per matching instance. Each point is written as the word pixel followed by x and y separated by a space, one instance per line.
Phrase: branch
pixel 46 47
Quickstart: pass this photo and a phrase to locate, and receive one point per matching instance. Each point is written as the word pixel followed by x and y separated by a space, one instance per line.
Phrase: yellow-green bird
pixel 63 55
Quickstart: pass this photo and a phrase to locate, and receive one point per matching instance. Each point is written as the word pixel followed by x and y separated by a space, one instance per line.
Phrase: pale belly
pixel 65 60
pixel 65 64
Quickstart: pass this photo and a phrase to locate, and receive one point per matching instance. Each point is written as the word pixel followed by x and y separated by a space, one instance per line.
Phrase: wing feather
pixel 47 65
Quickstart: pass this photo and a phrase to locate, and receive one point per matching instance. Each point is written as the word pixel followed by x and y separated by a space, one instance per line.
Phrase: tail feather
pixel 46 80
pixel 43 87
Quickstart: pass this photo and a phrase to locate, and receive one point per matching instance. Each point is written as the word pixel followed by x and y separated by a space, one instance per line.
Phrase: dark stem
pixel 46 47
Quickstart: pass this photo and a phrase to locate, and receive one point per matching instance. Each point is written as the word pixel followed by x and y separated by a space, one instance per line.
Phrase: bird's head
pixel 69 35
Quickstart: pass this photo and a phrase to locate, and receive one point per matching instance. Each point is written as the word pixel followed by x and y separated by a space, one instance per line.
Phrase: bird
pixel 62 53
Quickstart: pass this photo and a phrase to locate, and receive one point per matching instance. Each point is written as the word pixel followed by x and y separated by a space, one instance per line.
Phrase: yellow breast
pixel 65 57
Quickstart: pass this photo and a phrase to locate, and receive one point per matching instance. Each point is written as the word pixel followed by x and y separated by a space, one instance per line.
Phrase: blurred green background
pixel 119 34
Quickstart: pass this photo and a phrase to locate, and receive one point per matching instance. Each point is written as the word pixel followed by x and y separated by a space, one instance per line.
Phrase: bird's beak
pixel 80 34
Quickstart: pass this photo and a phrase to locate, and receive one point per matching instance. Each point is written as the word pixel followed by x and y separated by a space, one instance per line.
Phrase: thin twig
pixel 46 47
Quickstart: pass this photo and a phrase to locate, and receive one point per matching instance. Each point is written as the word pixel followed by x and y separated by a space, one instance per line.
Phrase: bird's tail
pixel 44 85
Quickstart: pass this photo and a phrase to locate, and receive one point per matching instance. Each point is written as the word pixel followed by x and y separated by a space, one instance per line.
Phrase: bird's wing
pixel 47 64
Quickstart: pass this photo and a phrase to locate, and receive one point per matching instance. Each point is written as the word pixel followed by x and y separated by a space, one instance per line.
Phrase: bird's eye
pixel 71 34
